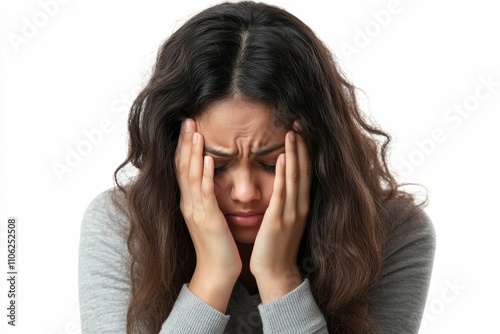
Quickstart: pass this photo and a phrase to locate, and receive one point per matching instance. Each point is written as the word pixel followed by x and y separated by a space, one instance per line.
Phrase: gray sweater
pixel 104 284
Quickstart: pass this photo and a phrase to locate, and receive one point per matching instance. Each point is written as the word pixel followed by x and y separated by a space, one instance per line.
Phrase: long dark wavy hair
pixel 264 54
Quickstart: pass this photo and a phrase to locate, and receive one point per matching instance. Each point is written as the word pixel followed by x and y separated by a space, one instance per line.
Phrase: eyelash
pixel 268 168
pixel 219 170
pixel 265 167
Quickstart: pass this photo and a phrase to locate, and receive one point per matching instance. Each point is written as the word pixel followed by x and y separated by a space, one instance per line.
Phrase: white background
pixel 70 68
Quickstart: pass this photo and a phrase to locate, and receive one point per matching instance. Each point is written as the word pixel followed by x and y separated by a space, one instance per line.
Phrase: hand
pixel 218 263
pixel 274 256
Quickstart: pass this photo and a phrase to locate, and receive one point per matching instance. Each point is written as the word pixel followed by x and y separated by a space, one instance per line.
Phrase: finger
pixel 207 185
pixel 305 175
pixel 275 209
pixel 196 171
pixel 183 159
pixel 183 150
pixel 292 178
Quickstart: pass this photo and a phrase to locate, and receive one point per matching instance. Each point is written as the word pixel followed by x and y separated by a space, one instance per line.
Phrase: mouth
pixel 244 220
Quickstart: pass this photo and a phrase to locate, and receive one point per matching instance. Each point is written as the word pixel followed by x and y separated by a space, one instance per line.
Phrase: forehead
pixel 234 122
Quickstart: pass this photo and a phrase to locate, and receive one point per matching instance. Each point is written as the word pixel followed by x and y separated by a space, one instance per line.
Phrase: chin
pixel 245 236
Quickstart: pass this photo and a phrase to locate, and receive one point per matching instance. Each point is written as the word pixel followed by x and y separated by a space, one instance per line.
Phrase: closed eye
pixel 220 170
pixel 268 168
pixel 265 167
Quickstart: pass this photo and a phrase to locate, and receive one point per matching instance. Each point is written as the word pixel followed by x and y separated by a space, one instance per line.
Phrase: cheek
pixel 222 189
pixel 266 188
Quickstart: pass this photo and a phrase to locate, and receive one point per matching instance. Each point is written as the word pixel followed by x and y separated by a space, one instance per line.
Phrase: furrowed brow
pixel 268 150
pixel 219 153
pixel 260 153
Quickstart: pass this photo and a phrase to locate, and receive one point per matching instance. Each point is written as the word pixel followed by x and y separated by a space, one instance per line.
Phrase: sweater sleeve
pixel 401 292
pixel 203 318
pixel 399 295
pixel 104 283
pixel 103 278
pixel 294 313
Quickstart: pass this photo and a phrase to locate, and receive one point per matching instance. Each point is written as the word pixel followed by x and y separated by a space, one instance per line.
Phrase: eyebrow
pixel 260 153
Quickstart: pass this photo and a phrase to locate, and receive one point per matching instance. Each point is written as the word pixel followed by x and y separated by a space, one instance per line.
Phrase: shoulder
pixel 105 224
pixel 408 225
pixel 401 290
pixel 107 210
pixel 111 203
pixel 103 264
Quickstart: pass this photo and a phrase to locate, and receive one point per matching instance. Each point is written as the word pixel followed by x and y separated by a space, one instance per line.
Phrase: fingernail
pixel 195 138
pixel 292 136
pixel 282 160
pixel 187 125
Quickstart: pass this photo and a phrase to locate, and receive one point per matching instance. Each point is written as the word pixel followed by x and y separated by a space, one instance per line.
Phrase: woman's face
pixel 244 143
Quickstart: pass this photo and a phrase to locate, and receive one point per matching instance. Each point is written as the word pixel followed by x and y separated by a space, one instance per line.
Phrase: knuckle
pixel 187 212
pixel 193 178
pixel 293 175
pixel 279 194
pixel 182 167
pixel 290 217
pixel 304 208
pixel 307 169
pixel 206 192
pixel 279 191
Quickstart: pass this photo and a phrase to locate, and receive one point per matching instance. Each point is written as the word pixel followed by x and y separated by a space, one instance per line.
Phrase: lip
pixel 245 219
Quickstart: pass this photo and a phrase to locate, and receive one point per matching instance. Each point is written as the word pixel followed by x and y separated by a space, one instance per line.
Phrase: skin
pixel 233 162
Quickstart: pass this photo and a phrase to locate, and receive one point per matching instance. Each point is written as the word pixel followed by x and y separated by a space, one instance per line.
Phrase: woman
pixel 262 202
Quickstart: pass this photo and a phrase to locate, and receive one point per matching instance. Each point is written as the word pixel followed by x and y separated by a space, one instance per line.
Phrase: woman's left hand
pixel 274 257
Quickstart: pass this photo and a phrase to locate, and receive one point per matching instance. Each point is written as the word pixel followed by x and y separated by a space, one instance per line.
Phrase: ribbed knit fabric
pixel 204 318
pixel 104 284
pixel 297 310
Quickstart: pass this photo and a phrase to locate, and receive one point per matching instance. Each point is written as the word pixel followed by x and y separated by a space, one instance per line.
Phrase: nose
pixel 245 187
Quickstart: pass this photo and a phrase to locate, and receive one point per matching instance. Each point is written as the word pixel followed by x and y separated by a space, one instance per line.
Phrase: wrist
pixel 275 285
pixel 212 288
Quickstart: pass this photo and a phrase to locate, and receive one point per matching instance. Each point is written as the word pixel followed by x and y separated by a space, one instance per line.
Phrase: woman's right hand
pixel 218 263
